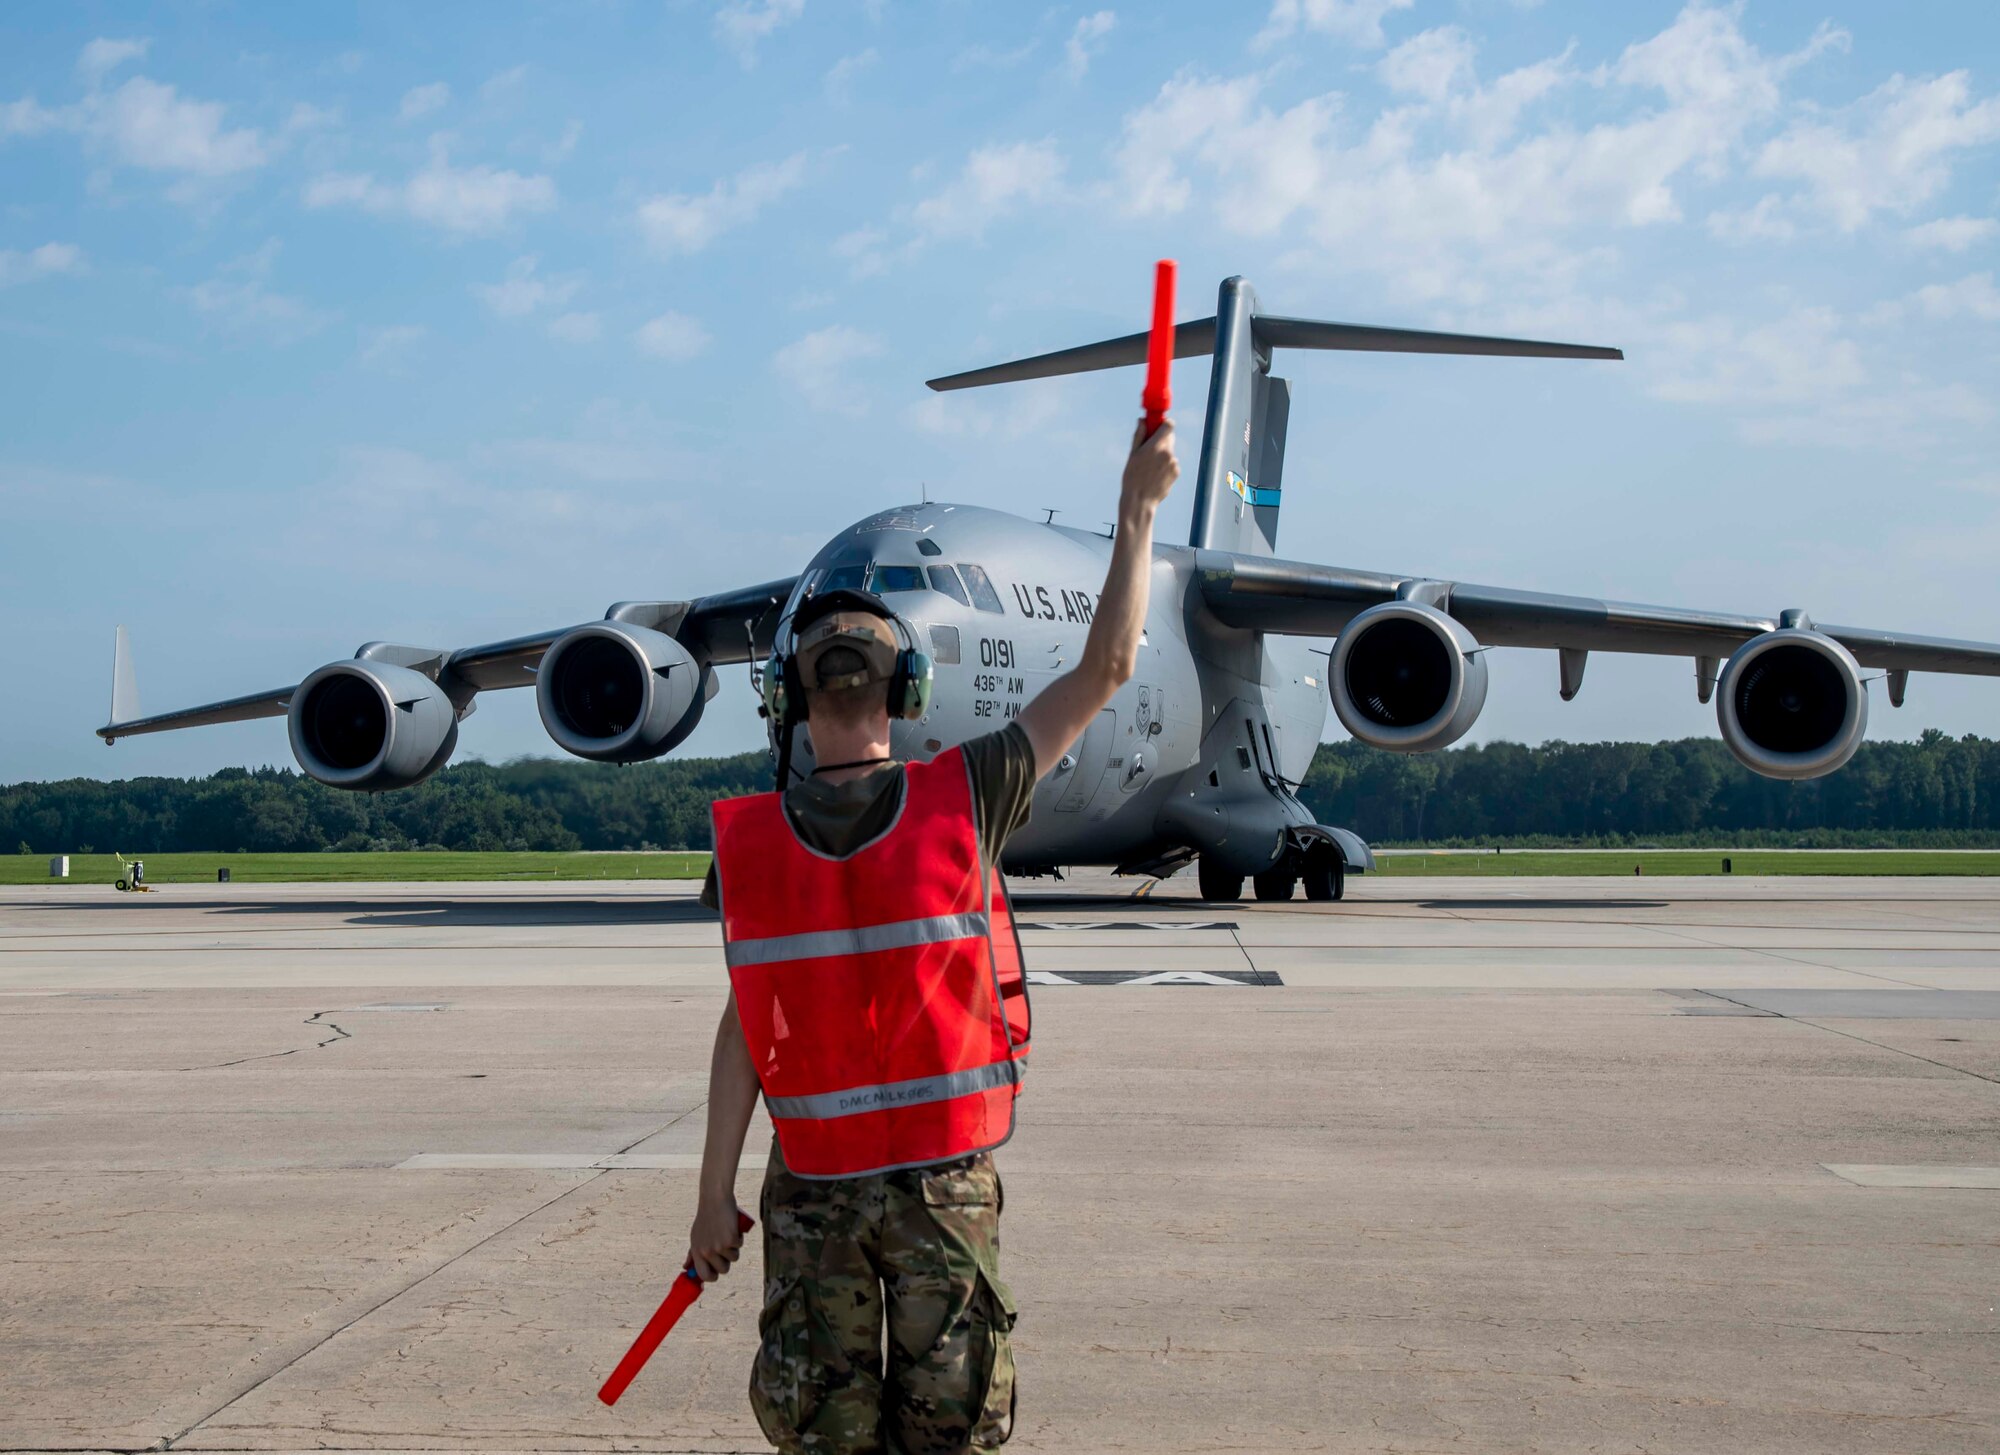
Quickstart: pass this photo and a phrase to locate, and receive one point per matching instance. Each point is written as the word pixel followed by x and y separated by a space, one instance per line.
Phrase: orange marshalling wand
pixel 687 1288
pixel 1157 398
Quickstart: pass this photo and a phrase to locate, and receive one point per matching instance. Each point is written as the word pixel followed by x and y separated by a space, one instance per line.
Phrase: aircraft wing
pixel 728 627
pixel 1298 598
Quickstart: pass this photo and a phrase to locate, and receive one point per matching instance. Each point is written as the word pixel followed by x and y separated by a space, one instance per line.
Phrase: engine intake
pixel 1407 677
pixel 371 726
pixel 1791 704
pixel 618 693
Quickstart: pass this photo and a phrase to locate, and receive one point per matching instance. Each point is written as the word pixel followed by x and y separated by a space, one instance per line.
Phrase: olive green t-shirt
pixel 837 818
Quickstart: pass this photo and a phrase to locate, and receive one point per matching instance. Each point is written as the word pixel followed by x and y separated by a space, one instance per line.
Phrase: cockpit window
pixel 944 579
pixel 929 547
pixel 896 578
pixel 844 578
pixel 983 595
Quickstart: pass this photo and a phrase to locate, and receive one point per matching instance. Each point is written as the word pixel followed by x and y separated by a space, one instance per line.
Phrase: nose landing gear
pixel 1218 885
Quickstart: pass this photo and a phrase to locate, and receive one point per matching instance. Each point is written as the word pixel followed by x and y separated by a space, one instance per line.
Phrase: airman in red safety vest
pixel 879 1005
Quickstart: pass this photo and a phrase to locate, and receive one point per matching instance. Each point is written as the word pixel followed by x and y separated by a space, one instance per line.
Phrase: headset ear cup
pixel 774 689
pixel 795 692
pixel 916 675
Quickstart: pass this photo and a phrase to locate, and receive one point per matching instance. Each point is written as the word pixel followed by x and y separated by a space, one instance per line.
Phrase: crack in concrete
pixel 170 1442
pixel 339 1034
pixel 1850 1035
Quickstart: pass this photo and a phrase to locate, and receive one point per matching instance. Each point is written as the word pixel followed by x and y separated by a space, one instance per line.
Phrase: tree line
pixel 1938 791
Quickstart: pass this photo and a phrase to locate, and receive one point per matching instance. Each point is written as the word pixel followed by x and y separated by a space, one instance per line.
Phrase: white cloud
pixel 306 117
pixel 389 348
pixel 1358 22
pixel 1798 359
pixel 1084 41
pixel 672 336
pixel 1769 221
pixel 994 181
pixel 27 118
pixel 1970 297
pixel 1431 65
pixel 741 25
pixel 1889 152
pixel 1447 194
pixel 470 200
pixel 839 82
pixel 47 261
pixel 1024 411
pixel 521 292
pixel 423 100
pixel 986 58
pixel 238 300
pixel 103 55
pixel 146 123
pixel 496 86
pixel 151 125
pixel 576 328
pixel 820 367
pixel 1951 234
pixel 562 146
pixel 682 223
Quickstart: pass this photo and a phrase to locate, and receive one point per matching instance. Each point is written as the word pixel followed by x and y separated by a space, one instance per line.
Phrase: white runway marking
pixel 1126 924
pixel 1863 1174
pixel 1155 977
pixel 561 1162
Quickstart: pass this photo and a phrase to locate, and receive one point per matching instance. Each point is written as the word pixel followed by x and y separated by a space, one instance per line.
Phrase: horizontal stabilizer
pixel 1269 332
pixel 1311 333
pixel 1190 341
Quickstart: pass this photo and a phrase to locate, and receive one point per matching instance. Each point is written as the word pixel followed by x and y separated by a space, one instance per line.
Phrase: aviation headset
pixel 909 686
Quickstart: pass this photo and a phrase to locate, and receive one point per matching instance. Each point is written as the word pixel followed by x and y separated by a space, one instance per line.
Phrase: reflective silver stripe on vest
pixel 816 944
pixel 858 1099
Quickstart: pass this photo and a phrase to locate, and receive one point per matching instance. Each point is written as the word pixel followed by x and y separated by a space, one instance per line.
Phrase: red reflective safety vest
pixel 881 994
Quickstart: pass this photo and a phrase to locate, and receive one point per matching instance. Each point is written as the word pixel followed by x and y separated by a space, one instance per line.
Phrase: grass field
pixel 382 867
pixel 1529 862
pixel 333 868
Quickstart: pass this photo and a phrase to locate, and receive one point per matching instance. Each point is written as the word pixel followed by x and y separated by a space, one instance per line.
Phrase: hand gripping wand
pixel 687 1288
pixel 1157 398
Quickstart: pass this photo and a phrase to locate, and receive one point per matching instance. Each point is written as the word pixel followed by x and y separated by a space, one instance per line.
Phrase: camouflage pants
pixel 916 1250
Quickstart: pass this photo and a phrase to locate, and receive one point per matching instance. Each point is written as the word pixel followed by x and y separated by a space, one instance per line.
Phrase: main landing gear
pixel 1320 868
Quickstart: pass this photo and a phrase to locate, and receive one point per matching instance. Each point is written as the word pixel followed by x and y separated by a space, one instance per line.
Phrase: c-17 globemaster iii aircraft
pixel 1198 758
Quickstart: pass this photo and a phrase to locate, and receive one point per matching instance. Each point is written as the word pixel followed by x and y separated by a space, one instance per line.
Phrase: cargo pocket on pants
pixel 994 1315
pixel 787 1381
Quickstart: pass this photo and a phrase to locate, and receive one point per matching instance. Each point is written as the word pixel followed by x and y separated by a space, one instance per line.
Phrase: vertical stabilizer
pixel 124 684
pixel 1237 485
pixel 1243 434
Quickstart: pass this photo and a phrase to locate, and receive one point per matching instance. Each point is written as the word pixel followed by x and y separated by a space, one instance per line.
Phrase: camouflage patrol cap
pixel 851 619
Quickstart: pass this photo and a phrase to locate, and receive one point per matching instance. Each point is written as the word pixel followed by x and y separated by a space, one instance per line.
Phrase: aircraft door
pixel 1089 754
pixel 1148 719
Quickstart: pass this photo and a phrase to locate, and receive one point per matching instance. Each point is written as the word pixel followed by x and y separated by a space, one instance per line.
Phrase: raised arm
pixel 1060 713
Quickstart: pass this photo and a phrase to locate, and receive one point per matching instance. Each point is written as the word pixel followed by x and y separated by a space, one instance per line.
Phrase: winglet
pixel 124 683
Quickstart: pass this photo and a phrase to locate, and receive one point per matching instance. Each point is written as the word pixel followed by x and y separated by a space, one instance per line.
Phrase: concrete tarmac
pixel 1466 1164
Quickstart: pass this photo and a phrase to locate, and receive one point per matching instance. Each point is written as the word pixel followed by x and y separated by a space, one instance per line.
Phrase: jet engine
pixel 371 726
pixel 618 693
pixel 1407 677
pixel 1791 704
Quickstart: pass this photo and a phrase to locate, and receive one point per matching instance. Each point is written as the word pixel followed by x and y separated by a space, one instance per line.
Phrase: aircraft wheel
pixel 1217 883
pixel 1326 876
pixel 122 885
pixel 1273 884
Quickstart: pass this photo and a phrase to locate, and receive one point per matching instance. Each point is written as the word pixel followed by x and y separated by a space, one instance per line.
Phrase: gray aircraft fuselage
pixel 1201 691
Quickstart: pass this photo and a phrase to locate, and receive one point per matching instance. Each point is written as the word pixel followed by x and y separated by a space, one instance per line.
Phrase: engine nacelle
pixel 371 726
pixel 1407 677
pixel 618 693
pixel 1791 704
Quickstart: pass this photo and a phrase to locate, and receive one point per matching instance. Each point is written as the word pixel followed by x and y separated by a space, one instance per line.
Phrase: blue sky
pixel 440 324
